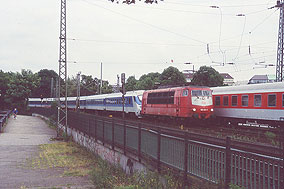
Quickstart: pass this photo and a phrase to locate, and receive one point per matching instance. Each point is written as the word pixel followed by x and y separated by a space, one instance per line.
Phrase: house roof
pixel 259 77
pixel 188 75
pixel 226 76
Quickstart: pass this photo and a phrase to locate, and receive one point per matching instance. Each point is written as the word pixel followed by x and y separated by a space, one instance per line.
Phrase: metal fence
pixel 216 160
pixel 4 115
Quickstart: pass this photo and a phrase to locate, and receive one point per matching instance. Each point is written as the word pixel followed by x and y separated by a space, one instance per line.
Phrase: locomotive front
pixel 202 103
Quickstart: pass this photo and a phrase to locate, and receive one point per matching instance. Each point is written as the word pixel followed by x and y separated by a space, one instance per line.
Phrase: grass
pixel 75 160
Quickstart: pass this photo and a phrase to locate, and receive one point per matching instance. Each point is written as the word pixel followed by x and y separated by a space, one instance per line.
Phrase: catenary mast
pixel 279 65
pixel 62 74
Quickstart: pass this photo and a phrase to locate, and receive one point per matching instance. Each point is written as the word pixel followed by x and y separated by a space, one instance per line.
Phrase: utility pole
pixel 51 88
pixel 117 84
pixel 78 92
pixel 62 75
pixel 279 65
pixel 101 85
pixel 123 93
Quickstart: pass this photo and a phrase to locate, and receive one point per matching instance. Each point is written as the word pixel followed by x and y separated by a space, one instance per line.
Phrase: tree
pixel 131 83
pixel 207 76
pixel 44 88
pixel 106 88
pixel 172 76
pixel 4 80
pixel 89 85
pixel 148 81
pixel 20 88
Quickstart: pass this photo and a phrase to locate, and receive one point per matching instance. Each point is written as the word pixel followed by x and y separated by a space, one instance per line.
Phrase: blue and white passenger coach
pixel 106 102
pixel 113 102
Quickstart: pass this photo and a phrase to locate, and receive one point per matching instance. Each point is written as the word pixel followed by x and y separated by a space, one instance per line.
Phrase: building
pixel 262 79
pixel 188 76
pixel 228 79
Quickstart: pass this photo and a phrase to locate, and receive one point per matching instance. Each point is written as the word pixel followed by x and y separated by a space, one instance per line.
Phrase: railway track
pixel 252 134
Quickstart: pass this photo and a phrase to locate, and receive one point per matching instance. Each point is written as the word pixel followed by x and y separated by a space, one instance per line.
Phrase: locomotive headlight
pixel 212 109
pixel 194 109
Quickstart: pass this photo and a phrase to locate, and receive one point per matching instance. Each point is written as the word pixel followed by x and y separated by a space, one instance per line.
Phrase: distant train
pixel 179 102
pixel 255 103
pixel 106 102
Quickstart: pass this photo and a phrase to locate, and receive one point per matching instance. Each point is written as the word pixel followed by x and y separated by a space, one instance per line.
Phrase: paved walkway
pixel 19 142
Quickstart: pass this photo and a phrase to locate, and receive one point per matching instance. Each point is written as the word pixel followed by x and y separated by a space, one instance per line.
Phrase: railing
pixel 4 115
pixel 214 159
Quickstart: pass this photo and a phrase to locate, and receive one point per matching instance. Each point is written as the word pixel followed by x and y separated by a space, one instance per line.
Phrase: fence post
pixel 185 159
pixel 89 126
pixel 159 151
pixel 112 132
pixel 103 131
pixel 282 144
pixel 124 137
pixel 139 142
pixel 228 162
pixel 96 123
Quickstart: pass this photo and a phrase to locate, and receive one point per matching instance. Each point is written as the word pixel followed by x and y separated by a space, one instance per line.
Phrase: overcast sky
pixel 141 38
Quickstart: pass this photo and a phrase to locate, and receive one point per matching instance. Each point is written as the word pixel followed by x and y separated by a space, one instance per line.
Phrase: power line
pixel 145 23
pixel 199 5
pixel 132 42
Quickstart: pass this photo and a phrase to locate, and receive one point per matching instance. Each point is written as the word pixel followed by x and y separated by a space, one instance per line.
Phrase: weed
pixel 233 186
pixel 75 160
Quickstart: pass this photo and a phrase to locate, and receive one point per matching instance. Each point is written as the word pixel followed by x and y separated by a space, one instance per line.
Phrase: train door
pixel 178 102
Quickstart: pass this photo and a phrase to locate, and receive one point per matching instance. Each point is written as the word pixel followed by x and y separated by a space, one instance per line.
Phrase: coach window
pixel 272 100
pixel 225 100
pixel 234 100
pixel 245 100
pixel 217 100
pixel 185 93
pixel 282 100
pixel 257 100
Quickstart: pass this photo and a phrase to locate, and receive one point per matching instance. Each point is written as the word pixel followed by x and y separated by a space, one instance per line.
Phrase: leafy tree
pixel 207 76
pixel 172 76
pixel 44 89
pixel 148 81
pixel 89 85
pixel 106 88
pixel 72 86
pixel 20 88
pixel 4 80
pixel 131 83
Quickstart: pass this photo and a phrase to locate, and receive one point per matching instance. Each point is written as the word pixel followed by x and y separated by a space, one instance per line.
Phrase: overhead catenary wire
pixel 145 23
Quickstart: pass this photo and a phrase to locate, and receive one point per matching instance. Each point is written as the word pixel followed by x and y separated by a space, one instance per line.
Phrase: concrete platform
pixel 19 142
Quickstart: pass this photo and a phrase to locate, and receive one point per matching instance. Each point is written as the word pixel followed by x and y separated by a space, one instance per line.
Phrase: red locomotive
pixel 179 102
pixel 250 104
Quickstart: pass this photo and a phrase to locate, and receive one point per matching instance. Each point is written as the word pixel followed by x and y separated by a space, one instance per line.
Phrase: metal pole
pixel 279 66
pixel 51 88
pixel 185 159
pixel 78 92
pixel 101 78
pixel 62 75
pixel 228 162
pixel 159 151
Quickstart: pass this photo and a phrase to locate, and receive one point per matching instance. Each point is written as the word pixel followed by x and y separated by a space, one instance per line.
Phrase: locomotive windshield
pixel 201 97
pixel 201 93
